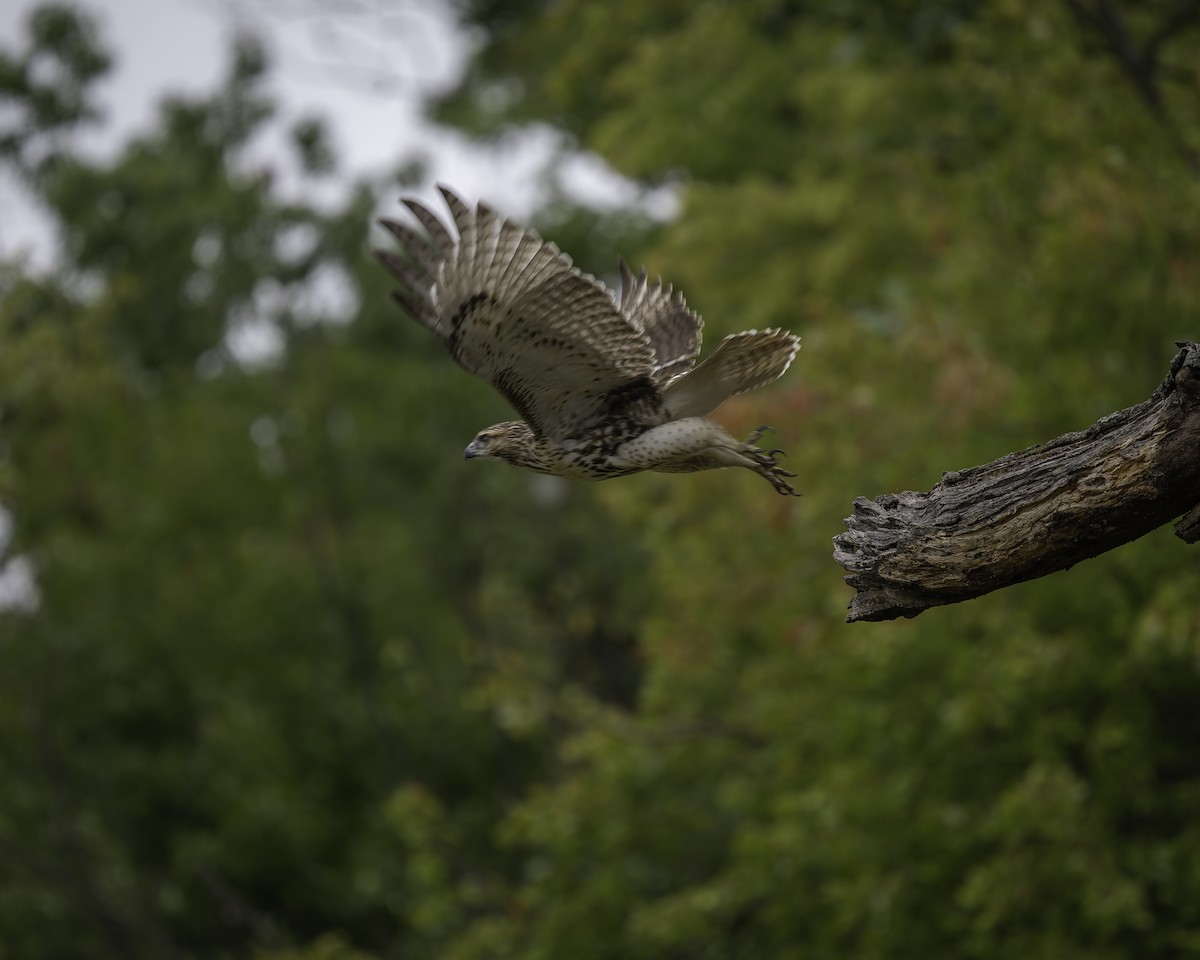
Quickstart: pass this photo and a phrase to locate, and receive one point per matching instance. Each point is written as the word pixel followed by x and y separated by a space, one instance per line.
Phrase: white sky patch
pixel 295 242
pixel 329 296
pixel 160 46
pixel 255 336
pixel 254 339
pixel 255 344
pixel 18 586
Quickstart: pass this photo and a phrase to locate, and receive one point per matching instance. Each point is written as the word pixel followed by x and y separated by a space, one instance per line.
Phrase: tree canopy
pixel 292 682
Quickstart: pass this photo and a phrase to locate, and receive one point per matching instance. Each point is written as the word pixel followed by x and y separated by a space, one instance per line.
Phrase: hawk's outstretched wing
pixel 673 330
pixel 743 361
pixel 513 310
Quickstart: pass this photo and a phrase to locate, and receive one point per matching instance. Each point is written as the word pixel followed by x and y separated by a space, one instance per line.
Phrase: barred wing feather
pixel 513 310
pixel 662 314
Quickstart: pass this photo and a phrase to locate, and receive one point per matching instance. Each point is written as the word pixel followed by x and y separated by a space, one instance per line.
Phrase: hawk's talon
pixel 768 466
pixel 765 457
pixel 780 484
pixel 758 432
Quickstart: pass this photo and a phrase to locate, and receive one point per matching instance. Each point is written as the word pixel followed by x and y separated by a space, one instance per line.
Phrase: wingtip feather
pixel 458 207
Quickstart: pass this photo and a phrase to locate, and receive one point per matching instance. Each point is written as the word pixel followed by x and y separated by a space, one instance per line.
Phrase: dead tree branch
pixel 1032 512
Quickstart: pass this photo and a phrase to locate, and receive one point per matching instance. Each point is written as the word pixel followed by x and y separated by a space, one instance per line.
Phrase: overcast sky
pixel 364 65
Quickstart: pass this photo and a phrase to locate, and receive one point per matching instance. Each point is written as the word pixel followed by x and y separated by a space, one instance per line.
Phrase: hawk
pixel 604 386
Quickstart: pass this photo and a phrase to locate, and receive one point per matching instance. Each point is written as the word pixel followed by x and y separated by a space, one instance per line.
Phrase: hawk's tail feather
pixel 743 362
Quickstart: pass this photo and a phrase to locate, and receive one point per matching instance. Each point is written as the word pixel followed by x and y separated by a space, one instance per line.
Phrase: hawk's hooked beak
pixel 473 450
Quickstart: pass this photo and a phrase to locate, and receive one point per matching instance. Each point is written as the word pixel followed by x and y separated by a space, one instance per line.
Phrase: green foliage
pixel 299 685
pixel 47 88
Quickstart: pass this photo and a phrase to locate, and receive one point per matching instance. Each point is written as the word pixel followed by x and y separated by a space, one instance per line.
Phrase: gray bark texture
pixel 1032 512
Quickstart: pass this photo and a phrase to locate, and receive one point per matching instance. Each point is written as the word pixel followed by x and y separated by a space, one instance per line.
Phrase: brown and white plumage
pixel 604 387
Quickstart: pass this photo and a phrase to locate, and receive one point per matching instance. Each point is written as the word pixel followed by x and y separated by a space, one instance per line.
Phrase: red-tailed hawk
pixel 605 387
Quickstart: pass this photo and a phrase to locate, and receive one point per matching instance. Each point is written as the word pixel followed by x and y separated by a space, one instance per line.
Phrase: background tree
pixel 297 684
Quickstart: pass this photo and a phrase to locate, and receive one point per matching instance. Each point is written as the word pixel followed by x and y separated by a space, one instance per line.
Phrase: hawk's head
pixel 512 442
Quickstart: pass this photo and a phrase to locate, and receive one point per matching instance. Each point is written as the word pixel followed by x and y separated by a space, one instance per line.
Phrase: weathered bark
pixel 1032 512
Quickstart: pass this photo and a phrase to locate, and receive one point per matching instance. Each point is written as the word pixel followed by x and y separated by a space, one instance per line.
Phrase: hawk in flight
pixel 605 386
